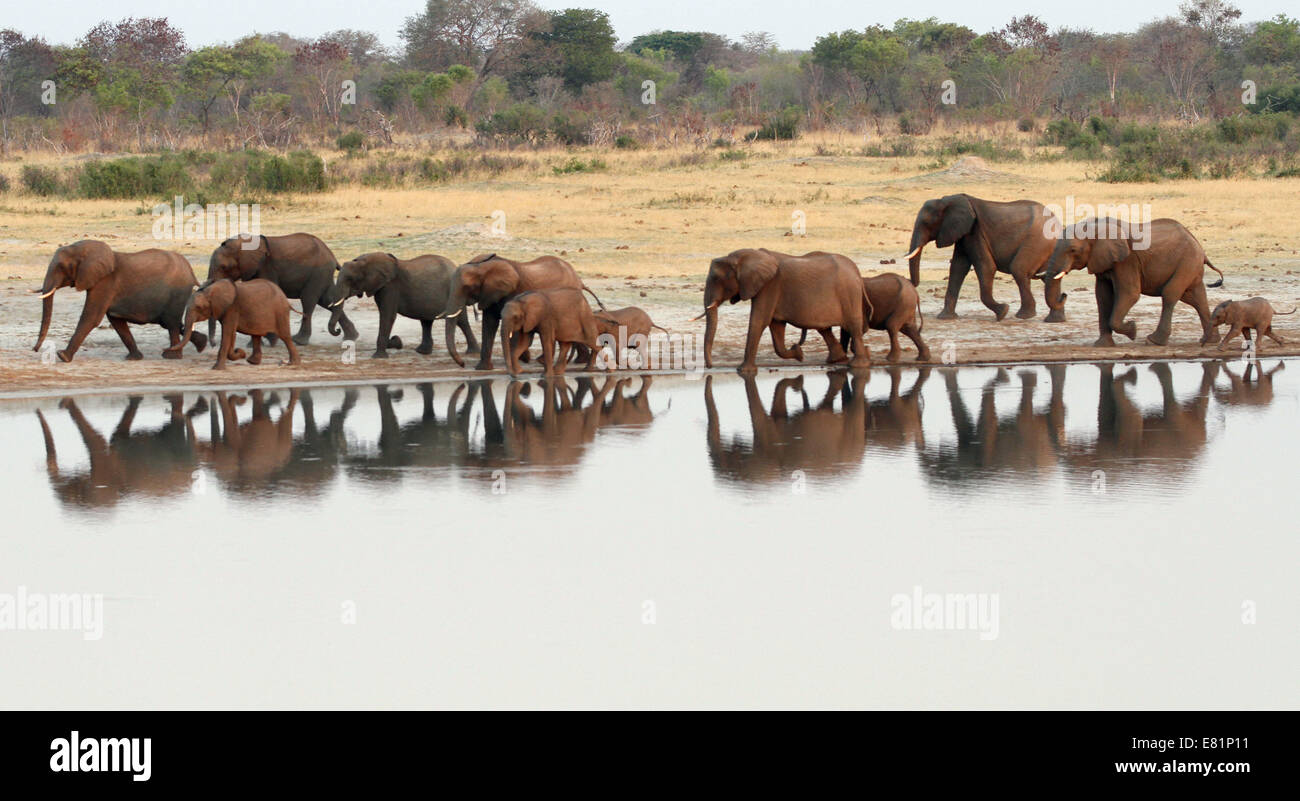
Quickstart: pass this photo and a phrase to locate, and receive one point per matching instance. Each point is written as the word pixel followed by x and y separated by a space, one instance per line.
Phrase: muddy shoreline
pixel 973 338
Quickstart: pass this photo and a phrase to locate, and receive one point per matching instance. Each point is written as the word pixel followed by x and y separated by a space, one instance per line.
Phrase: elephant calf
pixel 1244 315
pixel 555 315
pixel 257 307
pixel 895 306
pixel 627 328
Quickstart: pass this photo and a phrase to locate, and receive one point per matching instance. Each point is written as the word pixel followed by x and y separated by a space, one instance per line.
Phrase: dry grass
pixel 665 212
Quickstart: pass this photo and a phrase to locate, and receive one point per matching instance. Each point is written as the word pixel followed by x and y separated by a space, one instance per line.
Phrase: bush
pixel 570 128
pixel 40 180
pixel 301 171
pixel 911 124
pixel 782 125
pixel 578 165
pixel 4 182
pixel 352 141
pixel 521 121
pixel 625 142
pixel 135 177
pixel 1058 132
pixel 1026 125
pixel 733 155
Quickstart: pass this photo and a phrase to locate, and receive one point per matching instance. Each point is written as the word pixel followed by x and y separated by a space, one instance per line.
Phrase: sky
pixel 796 25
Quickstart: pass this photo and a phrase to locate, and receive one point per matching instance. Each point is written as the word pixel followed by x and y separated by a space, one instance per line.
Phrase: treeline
pixel 506 72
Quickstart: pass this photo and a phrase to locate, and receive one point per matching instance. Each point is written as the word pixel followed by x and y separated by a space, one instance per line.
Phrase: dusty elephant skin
pixel 148 287
pixel 992 237
pixel 817 290
pixel 257 308
pixel 491 281
pixel 558 317
pixel 418 288
pixel 1244 316
pixel 1170 266
pixel 300 264
pixel 631 326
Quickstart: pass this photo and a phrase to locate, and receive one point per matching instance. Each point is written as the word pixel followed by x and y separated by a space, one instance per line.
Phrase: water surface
pixel 665 541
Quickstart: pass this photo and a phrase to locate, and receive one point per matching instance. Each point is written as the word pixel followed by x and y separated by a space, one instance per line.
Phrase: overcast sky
pixel 795 24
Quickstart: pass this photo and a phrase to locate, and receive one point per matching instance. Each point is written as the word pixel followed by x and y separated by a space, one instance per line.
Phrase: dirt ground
pixel 972 338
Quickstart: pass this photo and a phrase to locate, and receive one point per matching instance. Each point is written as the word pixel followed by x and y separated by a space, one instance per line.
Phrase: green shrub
pixel 135 177
pixel 4 182
pixel 1026 125
pixel 733 155
pixel 625 142
pixel 352 141
pixel 1058 132
pixel 782 125
pixel 578 165
pixel 911 124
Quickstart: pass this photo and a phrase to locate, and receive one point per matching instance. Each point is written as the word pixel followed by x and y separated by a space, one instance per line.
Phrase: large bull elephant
pixel 816 290
pixel 1014 238
pixel 1166 261
pixel 148 287
pixel 490 281
pixel 300 264
pixel 418 288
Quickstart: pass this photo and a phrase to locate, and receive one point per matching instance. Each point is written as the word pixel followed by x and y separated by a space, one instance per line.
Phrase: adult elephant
pixel 491 281
pixel 148 287
pixel 992 237
pixel 1166 262
pixel 816 290
pixel 300 264
pixel 418 288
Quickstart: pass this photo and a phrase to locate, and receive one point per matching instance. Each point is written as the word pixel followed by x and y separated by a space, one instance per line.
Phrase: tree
pixel 138 62
pixel 583 43
pixel 24 63
pixel 322 64
pixel 210 72
pixel 482 34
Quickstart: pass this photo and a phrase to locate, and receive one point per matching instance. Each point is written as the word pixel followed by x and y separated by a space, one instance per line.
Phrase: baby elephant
pixel 894 306
pixel 1243 315
pixel 257 308
pixel 628 328
pixel 557 316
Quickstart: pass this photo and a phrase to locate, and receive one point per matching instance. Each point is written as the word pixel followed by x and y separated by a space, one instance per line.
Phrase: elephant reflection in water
pixel 818 440
pixel 154 463
pixel 426 441
pixel 894 422
pixel 1027 441
pixel 1254 387
pixel 317 452
pixel 1127 436
pixel 248 455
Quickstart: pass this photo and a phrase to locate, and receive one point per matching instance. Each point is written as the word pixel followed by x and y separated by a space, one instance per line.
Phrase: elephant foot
pixel 1129 330
pixel 837 358
pixel 254 360
pixel 172 353
pixel 1027 313
pixel 134 356
pixel 892 356
pixel 424 350
pixel 747 369
pixel 303 339
pixel 1055 316
pixel 1158 338
pixel 796 353
pixel 350 333
pixel 200 341
pixel 946 314
pixel 395 343
pixel 379 354
pixel 64 356
pixel 1000 311
pixel 1106 341
pixel 237 354
pixel 484 366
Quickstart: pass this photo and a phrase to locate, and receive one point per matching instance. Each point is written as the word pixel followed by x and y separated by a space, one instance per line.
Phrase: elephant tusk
pixel 916 252
pixel 337 303
pixel 47 294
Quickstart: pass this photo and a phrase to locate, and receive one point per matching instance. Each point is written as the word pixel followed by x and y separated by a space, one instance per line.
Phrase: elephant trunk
pixel 920 238
pixel 335 313
pixel 189 329
pixel 1055 298
pixel 47 311
pixel 451 339
pixel 710 330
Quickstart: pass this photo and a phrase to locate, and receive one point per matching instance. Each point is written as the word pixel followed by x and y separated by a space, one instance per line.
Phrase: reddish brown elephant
pixel 256 308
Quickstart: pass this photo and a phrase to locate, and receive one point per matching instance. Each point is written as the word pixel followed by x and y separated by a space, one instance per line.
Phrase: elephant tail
pixel 587 289
pixel 660 327
pixel 1217 270
pixel 1286 313
pixel 920 318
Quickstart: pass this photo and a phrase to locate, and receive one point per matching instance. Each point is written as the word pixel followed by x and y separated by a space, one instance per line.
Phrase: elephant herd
pixel 475 430
pixel 252 278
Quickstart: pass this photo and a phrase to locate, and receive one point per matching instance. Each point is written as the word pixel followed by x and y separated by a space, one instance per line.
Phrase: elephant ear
pixel 95 264
pixel 501 280
pixel 754 271
pixel 1109 247
pixel 378 273
pixel 250 260
pixel 958 221
pixel 221 296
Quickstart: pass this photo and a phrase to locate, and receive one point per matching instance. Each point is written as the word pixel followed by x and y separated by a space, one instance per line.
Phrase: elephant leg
pixel 1105 292
pixel 836 351
pixel 894 349
pixel 124 332
pixel 386 319
pixel 922 350
pixel 471 341
pixel 256 356
pixel 227 344
pixel 426 337
pixel 760 316
pixel 548 351
pixel 1125 297
pixel 1196 298
pixel 562 358
pixel 491 322
pixel 91 314
pixel 1232 333
pixel 1268 332
pixel 1168 299
pixel 777 330
pixel 282 326
pixel 1028 307
pixel 861 355
pixel 309 298
pixel 985 277
pixel 957 269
